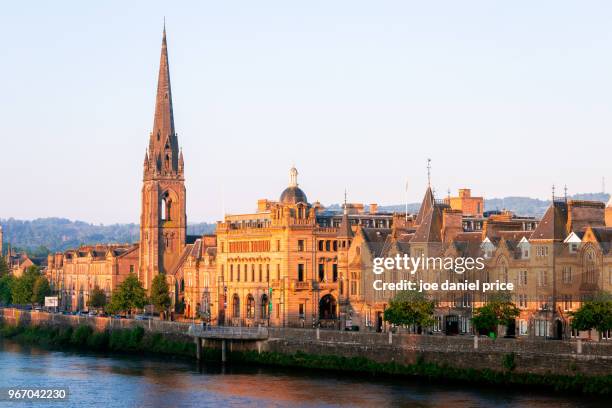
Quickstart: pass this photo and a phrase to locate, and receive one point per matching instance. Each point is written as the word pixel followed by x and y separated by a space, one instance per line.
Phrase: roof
pixel 293 195
pixel 426 205
pixel 345 230
pixel 429 230
pixel 553 224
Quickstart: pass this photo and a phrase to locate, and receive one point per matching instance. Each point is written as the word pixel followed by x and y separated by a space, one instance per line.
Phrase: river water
pixel 125 381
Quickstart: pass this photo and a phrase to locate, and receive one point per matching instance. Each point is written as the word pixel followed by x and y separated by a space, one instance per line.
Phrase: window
pixel 301 272
pixel 238 273
pixel 253 273
pixel 300 246
pixel 231 273
pixel 437 326
pixel 131 268
pixel 260 272
pixel 466 300
pixel 523 327
pixel 542 278
pixel 335 245
pixel 265 305
pixel 250 307
pixel 522 278
pixel 522 301
pixel 541 328
pixel 335 272
pixel 301 310
pixel 542 251
pixel 320 245
pixel 278 245
pixel 267 272
pixel 236 306
pixel 567 274
pixel 277 272
pixel 321 272
pixel 353 287
pixel 327 245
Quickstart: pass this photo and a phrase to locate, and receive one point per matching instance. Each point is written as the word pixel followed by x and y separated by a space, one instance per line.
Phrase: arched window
pixel 250 307
pixel 236 306
pixel 265 304
pixel 166 207
pixel 590 267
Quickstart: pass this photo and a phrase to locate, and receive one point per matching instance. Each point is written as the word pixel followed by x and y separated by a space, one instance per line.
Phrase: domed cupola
pixel 293 194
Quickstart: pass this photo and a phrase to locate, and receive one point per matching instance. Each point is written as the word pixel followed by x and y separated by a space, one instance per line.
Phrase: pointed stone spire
pixel 163 142
pixel 181 162
pixel 426 205
pixel 345 230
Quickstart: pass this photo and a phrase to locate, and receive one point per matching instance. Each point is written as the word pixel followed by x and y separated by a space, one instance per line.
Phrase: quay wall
pixel 543 357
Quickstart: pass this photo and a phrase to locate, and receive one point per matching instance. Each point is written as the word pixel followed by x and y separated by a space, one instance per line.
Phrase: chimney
pixel 373 208
pixel 452 224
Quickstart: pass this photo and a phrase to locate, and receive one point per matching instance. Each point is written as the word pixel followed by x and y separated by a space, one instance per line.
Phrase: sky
pixel 506 98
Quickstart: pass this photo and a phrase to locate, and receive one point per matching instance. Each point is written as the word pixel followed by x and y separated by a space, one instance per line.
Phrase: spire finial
pixel 565 192
pixel 293 173
pixel 164 25
pixel 553 192
pixel 345 200
pixel 428 172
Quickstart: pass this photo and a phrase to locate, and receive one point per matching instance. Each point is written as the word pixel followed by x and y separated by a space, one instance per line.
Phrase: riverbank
pixel 137 340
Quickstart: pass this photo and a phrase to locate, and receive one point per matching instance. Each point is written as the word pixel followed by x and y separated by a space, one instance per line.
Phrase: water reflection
pixel 109 381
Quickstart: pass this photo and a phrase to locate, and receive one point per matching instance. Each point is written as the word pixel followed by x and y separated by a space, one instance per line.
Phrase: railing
pixel 228 332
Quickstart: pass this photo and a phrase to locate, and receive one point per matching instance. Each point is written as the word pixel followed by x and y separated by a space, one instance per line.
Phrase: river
pixel 125 381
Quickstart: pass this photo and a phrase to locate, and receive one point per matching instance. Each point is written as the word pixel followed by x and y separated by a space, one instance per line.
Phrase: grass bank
pixel 83 337
pixel 596 385
pixel 136 340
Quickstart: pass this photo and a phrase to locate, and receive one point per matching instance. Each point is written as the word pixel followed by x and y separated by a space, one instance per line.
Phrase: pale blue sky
pixel 505 97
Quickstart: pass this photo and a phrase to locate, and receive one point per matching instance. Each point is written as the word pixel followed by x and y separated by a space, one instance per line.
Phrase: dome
pixel 293 195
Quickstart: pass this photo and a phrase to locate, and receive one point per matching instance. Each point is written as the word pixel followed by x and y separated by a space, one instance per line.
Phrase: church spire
pixel 163 145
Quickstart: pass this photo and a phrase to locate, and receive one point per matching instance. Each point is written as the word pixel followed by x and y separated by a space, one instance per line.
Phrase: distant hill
pixel 530 207
pixel 58 234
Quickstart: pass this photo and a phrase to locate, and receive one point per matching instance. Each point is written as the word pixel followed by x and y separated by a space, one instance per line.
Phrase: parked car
pixel 142 317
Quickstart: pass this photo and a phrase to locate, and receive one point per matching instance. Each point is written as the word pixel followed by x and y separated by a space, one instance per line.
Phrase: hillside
pixel 58 234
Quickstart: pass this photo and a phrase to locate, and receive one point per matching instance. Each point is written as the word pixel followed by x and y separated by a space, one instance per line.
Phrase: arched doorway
pixel 558 330
pixel 327 307
pixel 264 306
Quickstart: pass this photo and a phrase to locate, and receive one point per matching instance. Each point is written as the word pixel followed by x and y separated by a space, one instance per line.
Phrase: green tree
pixel 594 314
pixel 408 308
pixel 97 298
pixel 40 289
pixel 160 293
pixel 498 311
pixel 128 296
pixel 5 289
pixel 22 288
pixel 4 269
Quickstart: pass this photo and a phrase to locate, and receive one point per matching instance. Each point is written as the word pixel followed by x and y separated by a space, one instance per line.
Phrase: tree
pixel 160 293
pixel 594 314
pixel 128 296
pixel 498 311
pixel 97 298
pixel 4 269
pixel 5 289
pixel 40 290
pixel 410 308
pixel 22 288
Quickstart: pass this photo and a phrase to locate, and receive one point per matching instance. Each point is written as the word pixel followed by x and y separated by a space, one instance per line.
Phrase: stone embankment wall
pixel 533 356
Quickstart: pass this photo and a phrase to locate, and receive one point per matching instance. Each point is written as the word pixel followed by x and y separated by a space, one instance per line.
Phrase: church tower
pixel 163 220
